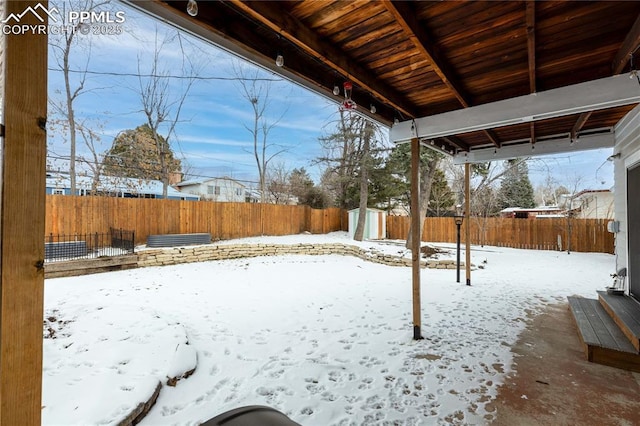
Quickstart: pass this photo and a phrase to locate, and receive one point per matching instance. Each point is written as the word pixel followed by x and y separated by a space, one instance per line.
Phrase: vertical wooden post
pixel 22 219
pixel 467 220
pixel 415 236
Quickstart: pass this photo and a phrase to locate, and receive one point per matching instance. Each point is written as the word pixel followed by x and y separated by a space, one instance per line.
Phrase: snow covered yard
pixel 325 339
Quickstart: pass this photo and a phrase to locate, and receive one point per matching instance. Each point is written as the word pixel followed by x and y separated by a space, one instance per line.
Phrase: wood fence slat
pixel 587 235
pixel 81 215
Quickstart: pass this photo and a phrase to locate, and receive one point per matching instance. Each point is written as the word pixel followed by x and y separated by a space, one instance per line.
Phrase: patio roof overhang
pixel 432 61
pixel 605 93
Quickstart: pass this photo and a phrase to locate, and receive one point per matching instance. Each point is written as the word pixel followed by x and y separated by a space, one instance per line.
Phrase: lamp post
pixel 458 218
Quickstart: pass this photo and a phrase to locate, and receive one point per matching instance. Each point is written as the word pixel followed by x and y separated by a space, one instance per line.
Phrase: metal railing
pixel 117 242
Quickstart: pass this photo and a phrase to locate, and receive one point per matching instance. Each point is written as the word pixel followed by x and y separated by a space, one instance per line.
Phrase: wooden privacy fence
pixel 86 215
pixel 83 215
pixel 586 235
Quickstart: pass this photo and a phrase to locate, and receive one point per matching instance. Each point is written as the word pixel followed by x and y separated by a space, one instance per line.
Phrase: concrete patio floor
pixel 553 384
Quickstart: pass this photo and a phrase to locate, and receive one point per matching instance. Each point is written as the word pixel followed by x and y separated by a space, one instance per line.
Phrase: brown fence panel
pixel 586 235
pixel 82 215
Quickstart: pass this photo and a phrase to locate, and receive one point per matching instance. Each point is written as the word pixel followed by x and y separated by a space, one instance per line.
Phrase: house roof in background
pixel 115 184
pixel 205 180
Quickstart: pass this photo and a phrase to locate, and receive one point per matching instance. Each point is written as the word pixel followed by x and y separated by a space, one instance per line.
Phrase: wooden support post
pixel 22 218
pixel 467 220
pixel 415 236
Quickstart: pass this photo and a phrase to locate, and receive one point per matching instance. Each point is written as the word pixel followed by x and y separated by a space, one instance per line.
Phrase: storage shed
pixel 375 227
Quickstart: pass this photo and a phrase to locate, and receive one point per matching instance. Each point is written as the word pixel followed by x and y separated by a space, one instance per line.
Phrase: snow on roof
pixel 204 180
pixel 116 184
pixel 540 209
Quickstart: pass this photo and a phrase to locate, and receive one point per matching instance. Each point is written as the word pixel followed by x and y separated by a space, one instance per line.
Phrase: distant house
pixel 535 213
pixel 270 197
pixel 215 189
pixel 589 204
pixel 60 184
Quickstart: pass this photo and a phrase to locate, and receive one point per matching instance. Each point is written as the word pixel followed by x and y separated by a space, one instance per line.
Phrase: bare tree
pixel 484 178
pixel 365 166
pixel 91 140
pixel 348 156
pixel 63 44
pixel 257 92
pixel 570 207
pixel 426 181
pixel 161 100
pixel 278 184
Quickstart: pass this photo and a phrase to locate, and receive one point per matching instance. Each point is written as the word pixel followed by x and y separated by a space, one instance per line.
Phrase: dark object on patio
pixel 173 240
pixel 253 415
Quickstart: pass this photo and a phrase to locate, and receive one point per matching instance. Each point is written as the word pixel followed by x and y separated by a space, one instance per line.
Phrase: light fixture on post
pixel 458 218
pixel 192 7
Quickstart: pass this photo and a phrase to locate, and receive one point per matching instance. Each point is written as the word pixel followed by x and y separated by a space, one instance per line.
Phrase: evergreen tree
pixel 301 186
pixel 135 154
pixel 300 183
pixel 399 165
pixel 441 200
pixel 515 188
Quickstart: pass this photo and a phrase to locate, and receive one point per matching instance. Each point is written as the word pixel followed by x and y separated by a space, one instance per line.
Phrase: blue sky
pixel 211 136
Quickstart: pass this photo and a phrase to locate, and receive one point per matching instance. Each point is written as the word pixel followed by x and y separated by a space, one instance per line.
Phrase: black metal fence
pixel 117 242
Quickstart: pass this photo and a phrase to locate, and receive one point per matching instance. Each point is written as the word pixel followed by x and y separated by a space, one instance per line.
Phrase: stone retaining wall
pixel 173 256
pixel 177 255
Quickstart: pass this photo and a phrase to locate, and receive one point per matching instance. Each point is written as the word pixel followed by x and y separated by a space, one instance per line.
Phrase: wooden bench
pixel 176 240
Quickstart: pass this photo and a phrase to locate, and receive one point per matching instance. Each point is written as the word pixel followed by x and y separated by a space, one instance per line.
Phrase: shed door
pixel 633 230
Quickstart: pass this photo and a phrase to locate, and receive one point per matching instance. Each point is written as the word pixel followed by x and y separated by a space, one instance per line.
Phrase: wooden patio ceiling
pixel 422 59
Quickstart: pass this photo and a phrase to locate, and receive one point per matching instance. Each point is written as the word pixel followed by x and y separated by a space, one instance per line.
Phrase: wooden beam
pixel 530 13
pixel 415 237
pixel 297 33
pixel 467 225
pixel 582 119
pixel 22 220
pixel 531 43
pixel 629 45
pixel 532 132
pixel 457 142
pixel 405 16
pixel 492 137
